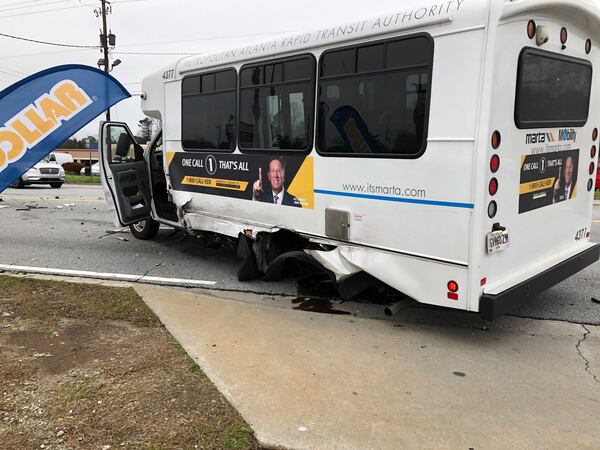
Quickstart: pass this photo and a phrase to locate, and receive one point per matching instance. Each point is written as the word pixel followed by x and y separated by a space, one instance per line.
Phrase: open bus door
pixel 124 174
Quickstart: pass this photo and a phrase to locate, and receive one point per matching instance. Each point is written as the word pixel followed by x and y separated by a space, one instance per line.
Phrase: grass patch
pixel 189 361
pixel 82 179
pixel 597 195
pixel 74 392
pixel 109 375
pixel 42 299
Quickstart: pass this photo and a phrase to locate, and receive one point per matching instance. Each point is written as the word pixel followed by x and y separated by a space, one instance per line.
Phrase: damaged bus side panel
pixel 395 149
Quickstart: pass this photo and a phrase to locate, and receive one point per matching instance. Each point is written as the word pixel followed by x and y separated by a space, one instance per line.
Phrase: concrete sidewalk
pixel 435 379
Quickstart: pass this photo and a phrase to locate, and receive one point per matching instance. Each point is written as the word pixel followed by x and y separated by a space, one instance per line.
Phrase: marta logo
pixel 539 138
pixel 38 120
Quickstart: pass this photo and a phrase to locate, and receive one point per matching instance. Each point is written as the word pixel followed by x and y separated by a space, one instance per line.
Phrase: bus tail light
pixel 493 188
pixel 588 46
pixel 452 286
pixel 592 168
pixel 492 209
pixel 452 296
pixel 495 163
pixel 595 134
pixel 590 185
pixel 593 151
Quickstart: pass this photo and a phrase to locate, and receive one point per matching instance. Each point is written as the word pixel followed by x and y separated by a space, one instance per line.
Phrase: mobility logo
pixel 548 137
pixel 38 120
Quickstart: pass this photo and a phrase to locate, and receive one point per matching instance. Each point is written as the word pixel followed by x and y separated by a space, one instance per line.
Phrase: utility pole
pixel 104 43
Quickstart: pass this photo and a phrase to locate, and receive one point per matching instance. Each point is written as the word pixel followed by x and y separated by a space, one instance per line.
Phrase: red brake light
pixel 495 163
pixel 493 186
pixel 592 168
pixel 593 151
pixel 452 286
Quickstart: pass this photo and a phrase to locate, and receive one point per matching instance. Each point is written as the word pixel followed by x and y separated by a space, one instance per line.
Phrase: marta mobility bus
pixel 447 149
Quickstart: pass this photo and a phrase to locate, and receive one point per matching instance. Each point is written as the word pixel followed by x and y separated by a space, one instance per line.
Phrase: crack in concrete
pixel 587 363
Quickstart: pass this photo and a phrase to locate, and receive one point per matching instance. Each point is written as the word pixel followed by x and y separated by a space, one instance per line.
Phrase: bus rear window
pixel 552 90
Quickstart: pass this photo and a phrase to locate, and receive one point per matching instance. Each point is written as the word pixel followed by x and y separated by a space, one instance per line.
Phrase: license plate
pixel 497 241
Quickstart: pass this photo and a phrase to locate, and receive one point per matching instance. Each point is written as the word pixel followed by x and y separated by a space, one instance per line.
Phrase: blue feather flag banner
pixel 39 113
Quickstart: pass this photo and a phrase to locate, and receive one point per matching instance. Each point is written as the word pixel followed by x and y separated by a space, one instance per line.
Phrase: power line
pixel 4 8
pixel 24 55
pixel 216 38
pixel 44 11
pixel 48 43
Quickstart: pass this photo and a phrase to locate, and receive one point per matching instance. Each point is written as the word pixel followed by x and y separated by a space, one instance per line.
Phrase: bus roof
pixel 414 15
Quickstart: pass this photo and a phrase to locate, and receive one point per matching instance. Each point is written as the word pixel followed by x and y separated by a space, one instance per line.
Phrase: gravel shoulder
pixel 86 366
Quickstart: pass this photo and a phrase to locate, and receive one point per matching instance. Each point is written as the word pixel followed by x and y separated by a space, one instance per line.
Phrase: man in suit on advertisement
pixel 565 184
pixel 276 192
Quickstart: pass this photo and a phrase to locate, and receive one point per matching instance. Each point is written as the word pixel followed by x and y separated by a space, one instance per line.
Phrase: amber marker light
pixel 563 35
pixel 531 29
pixel 496 139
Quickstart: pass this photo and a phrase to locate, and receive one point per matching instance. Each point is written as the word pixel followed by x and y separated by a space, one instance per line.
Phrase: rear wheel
pixel 56 185
pixel 144 229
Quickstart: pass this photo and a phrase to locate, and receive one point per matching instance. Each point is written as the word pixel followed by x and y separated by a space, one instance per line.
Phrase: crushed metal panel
pixel 337 224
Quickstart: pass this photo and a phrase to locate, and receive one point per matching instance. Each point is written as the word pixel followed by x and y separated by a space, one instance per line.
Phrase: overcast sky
pixel 155 26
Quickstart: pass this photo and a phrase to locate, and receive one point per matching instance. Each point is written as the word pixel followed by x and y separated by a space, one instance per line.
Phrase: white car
pixel 95 170
pixel 47 171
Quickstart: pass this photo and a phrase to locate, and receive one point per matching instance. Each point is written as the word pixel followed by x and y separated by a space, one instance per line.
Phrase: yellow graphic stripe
pixel 215 183
pixel 537 185
pixel 303 185
pixel 170 156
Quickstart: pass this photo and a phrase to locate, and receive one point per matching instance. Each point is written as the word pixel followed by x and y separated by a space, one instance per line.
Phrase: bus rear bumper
pixel 494 305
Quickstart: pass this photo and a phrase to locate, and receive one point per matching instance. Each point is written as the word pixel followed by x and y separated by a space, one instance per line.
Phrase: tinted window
pixel 190 85
pixel 208 116
pixel 338 63
pixel 379 107
pixel 277 112
pixel 552 90
pixel 370 59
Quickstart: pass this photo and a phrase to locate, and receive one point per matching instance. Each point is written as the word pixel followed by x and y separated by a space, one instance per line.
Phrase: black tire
pixel 19 184
pixel 145 229
pixel 56 185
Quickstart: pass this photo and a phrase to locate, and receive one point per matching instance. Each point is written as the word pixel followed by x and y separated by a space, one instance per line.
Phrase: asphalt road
pixel 70 228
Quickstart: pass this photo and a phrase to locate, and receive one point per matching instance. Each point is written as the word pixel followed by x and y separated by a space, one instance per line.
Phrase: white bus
pixel 447 149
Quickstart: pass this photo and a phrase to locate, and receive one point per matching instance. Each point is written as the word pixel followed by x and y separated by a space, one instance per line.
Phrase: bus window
pixel 276 105
pixel 374 99
pixel 552 90
pixel 208 111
